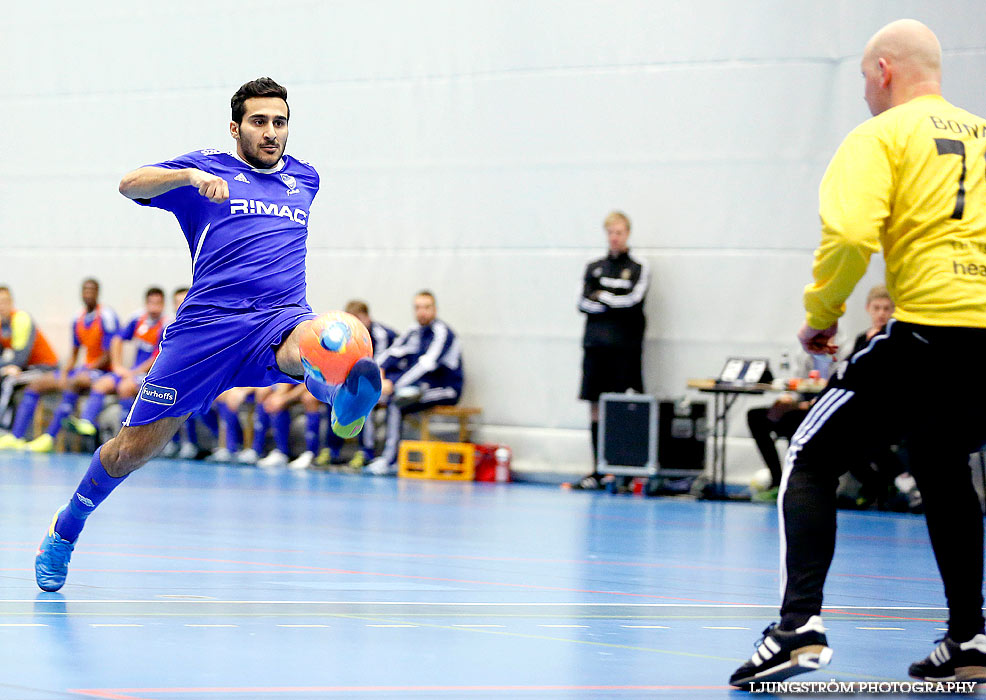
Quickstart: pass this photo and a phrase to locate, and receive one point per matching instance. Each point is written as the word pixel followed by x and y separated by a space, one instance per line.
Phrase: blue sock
pixel 25 413
pixel 64 410
pixel 234 432
pixel 325 393
pixel 211 421
pixel 313 421
pixel 282 431
pixel 94 404
pixel 261 424
pixel 359 393
pixel 126 404
pixel 367 439
pixel 95 486
pixel 334 443
pixel 189 431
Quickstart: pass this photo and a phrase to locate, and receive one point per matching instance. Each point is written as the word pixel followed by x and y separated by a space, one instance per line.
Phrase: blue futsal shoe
pixel 51 562
pixel 356 398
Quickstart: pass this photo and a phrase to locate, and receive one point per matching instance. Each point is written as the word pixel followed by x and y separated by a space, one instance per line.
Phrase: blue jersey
pixel 248 253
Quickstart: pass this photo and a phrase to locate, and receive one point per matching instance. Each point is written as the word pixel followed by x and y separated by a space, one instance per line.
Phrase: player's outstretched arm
pixel 818 341
pixel 151 181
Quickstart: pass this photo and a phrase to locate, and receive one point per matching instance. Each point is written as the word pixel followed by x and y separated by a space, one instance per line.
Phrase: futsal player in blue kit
pixel 245 218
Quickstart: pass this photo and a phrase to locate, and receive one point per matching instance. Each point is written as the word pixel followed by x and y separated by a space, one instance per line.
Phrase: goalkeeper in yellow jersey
pixel 912 182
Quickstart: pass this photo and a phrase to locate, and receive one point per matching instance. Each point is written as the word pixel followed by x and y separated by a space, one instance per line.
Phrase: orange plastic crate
pixel 448 461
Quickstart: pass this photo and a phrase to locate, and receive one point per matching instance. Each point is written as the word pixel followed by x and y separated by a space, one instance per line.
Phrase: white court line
pixel 303 625
pixel 893 629
pixel 97 624
pixel 22 624
pixel 725 628
pixel 772 606
pixel 646 627
pixel 479 625
pixel 211 625
pixel 392 625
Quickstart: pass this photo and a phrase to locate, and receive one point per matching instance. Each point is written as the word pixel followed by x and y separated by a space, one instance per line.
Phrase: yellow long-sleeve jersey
pixel 911 180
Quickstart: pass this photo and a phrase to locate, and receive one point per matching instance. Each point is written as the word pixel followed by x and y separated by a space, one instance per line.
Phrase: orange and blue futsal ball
pixel 332 344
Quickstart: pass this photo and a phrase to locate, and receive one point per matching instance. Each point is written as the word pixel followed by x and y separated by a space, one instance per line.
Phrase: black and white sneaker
pixel 953 661
pixel 592 482
pixel 781 654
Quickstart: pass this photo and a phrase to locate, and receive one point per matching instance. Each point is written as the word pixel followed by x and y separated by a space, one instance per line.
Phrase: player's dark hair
pixel 154 291
pixel 5 288
pixel 180 290
pixel 91 280
pixel 261 87
pixel 425 293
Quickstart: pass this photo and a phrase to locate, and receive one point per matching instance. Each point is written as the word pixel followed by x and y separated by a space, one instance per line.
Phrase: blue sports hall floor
pixel 201 581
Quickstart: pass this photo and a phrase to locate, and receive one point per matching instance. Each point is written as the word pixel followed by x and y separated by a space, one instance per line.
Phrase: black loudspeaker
pixel 682 432
pixel 627 435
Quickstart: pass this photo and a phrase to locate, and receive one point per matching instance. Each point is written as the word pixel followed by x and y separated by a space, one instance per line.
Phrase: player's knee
pixel 43 384
pixel 234 399
pixel 310 403
pixel 124 454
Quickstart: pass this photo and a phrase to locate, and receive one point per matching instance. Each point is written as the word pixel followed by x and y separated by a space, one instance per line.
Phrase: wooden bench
pixel 64 441
pixel 42 417
pixel 461 413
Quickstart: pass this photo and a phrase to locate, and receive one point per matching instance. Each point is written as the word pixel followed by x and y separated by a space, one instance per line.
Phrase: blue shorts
pixel 202 357
pixel 93 374
pixel 137 378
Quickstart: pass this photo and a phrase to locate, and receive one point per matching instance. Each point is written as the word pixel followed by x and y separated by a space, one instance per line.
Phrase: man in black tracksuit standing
pixel 612 298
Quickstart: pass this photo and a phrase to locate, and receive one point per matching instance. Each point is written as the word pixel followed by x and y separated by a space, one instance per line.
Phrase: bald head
pixel 910 45
pixel 900 62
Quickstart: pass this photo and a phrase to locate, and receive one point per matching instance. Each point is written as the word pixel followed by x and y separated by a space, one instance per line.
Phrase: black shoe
pixel 592 482
pixel 782 654
pixel 952 661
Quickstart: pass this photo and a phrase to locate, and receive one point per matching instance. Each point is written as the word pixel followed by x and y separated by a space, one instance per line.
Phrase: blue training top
pixel 248 253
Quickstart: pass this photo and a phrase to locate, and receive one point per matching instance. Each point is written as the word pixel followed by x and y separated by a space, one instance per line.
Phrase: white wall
pixel 471 147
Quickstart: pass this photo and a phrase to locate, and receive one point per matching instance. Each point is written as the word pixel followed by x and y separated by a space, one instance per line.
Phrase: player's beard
pixel 260 159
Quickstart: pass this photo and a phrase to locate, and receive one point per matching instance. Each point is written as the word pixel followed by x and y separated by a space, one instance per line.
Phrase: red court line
pixel 105 695
pixel 466 557
pixel 882 617
pixel 163 571
pixel 922 540
pixel 323 570
pixel 127 693
pixel 24 569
